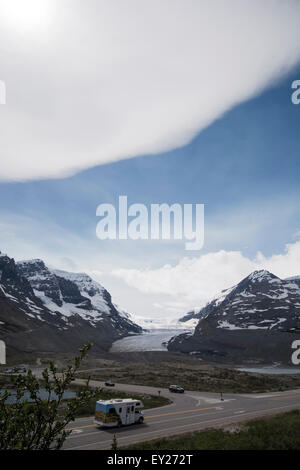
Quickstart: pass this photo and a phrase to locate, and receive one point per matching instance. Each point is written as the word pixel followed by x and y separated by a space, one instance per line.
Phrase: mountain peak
pixel 261 275
pixel 32 262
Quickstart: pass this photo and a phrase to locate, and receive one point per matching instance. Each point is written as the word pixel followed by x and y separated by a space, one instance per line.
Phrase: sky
pixel 164 102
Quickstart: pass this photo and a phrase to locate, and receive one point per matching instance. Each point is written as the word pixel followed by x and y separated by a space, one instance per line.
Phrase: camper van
pixel 118 412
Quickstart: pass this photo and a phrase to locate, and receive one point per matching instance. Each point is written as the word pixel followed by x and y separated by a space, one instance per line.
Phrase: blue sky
pixel 245 161
pixel 97 106
pixel 244 167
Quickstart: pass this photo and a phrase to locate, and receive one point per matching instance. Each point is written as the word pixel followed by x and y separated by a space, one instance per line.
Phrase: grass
pixel 281 432
pixel 196 376
pixel 160 369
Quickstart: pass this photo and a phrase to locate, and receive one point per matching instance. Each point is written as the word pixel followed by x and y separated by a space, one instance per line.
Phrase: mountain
pixel 256 320
pixel 44 310
pixel 191 318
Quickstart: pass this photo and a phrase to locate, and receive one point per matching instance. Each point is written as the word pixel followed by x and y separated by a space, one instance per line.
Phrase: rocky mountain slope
pixel 257 320
pixel 49 310
pixel 191 318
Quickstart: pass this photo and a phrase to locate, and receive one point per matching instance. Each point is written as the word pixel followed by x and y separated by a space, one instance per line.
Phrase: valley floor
pixel 202 406
pixel 163 368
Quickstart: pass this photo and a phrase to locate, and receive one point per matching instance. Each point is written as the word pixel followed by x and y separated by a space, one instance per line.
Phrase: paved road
pixel 189 412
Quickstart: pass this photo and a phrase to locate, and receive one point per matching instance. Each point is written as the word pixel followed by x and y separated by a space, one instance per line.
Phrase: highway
pixel 191 411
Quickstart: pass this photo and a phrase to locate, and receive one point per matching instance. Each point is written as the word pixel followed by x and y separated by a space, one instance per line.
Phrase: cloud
pixel 67 264
pixel 106 80
pixel 195 281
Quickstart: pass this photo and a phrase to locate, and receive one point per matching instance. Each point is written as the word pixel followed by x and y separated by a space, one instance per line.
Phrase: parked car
pixel 176 389
pixel 109 383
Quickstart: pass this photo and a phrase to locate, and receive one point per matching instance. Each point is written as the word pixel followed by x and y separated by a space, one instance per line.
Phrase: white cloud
pixel 194 281
pixel 107 80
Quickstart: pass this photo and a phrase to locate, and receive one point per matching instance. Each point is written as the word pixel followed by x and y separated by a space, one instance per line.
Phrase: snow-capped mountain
pixel 61 310
pixel 252 319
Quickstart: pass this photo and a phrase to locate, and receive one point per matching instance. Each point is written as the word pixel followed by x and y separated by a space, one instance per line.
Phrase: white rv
pixel 118 412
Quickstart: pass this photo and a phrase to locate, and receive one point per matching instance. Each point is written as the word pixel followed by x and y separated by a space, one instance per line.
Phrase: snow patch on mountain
pixel 89 288
pixel 261 276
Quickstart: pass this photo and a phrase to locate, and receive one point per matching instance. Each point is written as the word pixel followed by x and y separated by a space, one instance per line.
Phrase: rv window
pixel 128 409
pixel 132 408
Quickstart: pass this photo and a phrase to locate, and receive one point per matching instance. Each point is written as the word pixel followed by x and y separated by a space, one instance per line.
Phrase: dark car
pixel 109 383
pixel 176 389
